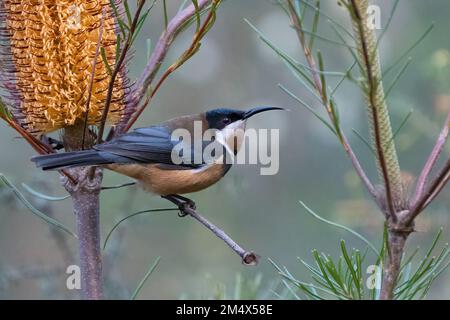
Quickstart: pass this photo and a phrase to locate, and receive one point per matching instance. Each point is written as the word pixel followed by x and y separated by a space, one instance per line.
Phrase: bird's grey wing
pixel 149 145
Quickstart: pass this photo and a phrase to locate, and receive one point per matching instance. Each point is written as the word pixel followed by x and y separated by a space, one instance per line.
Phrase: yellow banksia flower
pixel 47 67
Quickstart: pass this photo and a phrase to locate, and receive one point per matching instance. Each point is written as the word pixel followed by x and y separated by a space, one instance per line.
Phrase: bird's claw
pixel 184 204
pixel 185 207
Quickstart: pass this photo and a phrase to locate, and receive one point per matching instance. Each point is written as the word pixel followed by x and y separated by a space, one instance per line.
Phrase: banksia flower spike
pixel 48 49
pixel 377 110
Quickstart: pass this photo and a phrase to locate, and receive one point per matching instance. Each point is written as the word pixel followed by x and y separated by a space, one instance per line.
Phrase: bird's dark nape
pixel 70 159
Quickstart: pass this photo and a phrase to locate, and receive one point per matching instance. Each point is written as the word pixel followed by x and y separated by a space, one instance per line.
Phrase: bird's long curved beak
pixel 253 111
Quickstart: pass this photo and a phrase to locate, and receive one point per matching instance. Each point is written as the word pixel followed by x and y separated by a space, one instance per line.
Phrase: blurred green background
pixel 262 213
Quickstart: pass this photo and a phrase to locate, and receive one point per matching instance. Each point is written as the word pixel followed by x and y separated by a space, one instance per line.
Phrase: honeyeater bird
pixel 146 154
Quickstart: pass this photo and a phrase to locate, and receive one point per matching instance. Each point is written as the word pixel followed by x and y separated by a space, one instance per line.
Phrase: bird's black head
pixel 222 117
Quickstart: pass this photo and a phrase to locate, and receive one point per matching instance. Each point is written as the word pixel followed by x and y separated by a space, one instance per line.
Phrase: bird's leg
pixel 132 183
pixel 188 201
pixel 181 202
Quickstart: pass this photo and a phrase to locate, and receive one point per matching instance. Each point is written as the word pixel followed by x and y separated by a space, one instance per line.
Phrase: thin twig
pixel 248 257
pixel 436 186
pixel 438 189
pixel 91 83
pixel 431 161
pixel 117 69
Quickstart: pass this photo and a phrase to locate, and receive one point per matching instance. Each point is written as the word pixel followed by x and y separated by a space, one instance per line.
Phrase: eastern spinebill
pixel 146 154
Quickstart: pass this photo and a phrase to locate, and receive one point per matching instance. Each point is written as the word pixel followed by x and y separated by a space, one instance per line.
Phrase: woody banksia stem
pixel 85 197
pixel 85 194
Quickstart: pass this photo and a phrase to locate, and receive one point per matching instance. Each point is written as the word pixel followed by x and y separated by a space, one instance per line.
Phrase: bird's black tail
pixel 70 159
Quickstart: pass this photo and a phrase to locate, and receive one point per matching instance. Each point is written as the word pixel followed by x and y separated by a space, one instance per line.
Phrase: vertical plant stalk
pixel 386 155
pixel 391 267
pixel 85 195
pixel 379 122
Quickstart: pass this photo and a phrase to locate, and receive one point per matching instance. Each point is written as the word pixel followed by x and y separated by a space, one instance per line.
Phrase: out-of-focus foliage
pixel 354 276
pixel 236 69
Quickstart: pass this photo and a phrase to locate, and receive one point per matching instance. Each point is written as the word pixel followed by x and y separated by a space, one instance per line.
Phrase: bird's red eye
pixel 226 120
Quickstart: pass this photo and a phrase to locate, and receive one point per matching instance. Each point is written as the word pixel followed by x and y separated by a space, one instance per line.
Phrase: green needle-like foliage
pixel 356 274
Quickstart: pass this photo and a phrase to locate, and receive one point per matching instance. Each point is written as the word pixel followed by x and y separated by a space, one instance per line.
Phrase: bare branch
pixel 117 69
pixel 187 207
pixel 86 205
pixel 431 161
pixel 248 257
pixel 436 186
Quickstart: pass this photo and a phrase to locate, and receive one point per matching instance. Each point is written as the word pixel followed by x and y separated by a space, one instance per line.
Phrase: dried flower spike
pixel 47 67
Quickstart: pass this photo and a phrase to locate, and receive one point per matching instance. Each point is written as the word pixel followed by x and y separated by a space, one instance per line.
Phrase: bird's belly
pixel 164 181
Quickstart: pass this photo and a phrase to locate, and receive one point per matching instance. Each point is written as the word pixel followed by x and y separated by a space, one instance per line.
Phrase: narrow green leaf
pixel 314 25
pixel 280 53
pixel 402 124
pixel 182 6
pixel 166 16
pixel 364 140
pixel 388 23
pixel 43 196
pixel 322 78
pixel 310 109
pixel 356 280
pixel 141 21
pixel 133 215
pixel 128 12
pixel 334 22
pixel 283 6
pixel 317 275
pixel 291 291
pixel 197 14
pixel 346 75
pixel 35 211
pixel 147 275
pixel 402 56
pixel 332 270
pixel 118 47
pixel 350 50
pixel 397 77
pixel 4 112
pixel 300 79
pixel 327 73
pixel 324 274
pixel 301 11
pixel 122 25
pixel 149 48
pixel 105 61
pixel 334 224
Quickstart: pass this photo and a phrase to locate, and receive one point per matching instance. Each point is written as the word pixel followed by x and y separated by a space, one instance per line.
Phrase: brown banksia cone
pixel 47 49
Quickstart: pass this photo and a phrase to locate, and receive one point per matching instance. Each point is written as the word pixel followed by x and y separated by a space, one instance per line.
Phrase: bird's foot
pixel 183 203
pixel 55 144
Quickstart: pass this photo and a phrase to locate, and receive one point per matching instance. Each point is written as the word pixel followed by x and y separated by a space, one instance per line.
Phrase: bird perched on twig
pixel 147 154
